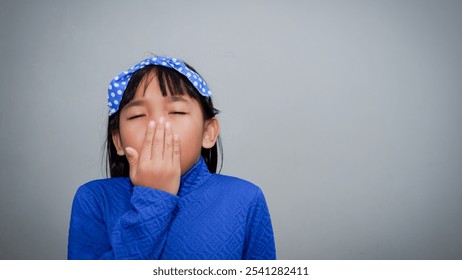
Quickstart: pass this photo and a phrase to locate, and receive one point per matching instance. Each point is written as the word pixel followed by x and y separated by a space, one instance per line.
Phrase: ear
pixel 118 143
pixel 211 131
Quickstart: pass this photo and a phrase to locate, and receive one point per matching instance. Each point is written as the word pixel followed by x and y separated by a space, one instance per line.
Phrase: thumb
pixel 132 158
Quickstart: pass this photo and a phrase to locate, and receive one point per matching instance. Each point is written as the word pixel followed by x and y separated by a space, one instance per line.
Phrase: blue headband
pixel 118 85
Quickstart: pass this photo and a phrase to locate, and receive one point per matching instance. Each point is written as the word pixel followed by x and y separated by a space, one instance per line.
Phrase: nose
pixel 157 118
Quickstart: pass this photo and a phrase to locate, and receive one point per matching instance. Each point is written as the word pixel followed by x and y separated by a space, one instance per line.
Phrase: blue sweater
pixel 212 217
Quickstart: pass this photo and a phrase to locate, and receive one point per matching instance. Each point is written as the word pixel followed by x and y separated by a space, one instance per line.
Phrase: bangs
pixel 171 82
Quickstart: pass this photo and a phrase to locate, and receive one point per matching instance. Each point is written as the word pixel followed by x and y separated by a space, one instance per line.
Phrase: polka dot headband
pixel 118 85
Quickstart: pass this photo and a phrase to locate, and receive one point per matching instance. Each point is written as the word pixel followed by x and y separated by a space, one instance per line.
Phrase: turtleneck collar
pixel 194 178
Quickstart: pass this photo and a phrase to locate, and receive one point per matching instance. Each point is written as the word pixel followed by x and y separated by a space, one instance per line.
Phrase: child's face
pixel 183 112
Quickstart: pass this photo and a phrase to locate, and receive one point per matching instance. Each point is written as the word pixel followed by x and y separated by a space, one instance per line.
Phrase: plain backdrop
pixel 346 113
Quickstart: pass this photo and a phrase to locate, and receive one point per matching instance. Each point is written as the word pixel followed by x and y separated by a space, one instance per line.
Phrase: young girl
pixel 164 200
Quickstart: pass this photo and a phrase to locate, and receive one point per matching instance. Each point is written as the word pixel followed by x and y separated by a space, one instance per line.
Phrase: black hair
pixel 172 83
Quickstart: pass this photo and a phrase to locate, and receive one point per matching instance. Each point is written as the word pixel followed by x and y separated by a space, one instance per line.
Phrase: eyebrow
pixel 176 98
pixel 135 103
pixel 141 102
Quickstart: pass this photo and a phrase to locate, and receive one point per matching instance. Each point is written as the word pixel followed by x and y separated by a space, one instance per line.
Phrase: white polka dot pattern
pixel 118 85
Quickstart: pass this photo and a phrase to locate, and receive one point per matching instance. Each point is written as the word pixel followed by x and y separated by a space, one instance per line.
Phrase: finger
pixel 158 143
pixel 168 142
pixel 132 158
pixel 176 151
pixel 147 143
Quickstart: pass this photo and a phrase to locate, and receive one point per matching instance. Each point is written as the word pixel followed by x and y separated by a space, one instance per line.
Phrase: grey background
pixel 346 113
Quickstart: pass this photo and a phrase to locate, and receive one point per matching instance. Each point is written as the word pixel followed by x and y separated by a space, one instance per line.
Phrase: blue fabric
pixel 213 217
pixel 118 85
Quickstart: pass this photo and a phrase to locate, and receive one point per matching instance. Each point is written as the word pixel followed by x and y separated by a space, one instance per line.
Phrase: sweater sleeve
pixel 140 233
pixel 259 243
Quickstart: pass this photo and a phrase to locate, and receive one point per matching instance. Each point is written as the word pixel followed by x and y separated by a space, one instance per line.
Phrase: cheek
pixel 190 132
pixel 133 136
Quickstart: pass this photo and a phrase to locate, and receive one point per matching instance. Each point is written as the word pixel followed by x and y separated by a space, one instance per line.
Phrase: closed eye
pixel 177 113
pixel 136 116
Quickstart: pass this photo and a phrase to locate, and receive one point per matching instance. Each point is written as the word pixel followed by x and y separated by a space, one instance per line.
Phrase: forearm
pixel 142 232
pixel 139 233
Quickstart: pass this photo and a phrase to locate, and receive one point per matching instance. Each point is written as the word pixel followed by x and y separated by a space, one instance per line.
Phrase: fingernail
pixel 161 120
pixel 167 125
pixel 151 123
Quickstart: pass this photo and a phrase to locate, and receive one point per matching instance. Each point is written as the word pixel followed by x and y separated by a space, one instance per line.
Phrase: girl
pixel 164 200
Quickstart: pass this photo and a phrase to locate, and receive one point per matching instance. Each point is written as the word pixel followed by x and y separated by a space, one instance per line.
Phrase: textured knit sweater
pixel 212 217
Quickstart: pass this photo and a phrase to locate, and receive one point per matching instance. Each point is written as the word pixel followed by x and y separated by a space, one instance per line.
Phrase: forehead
pixel 168 87
pixel 149 90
